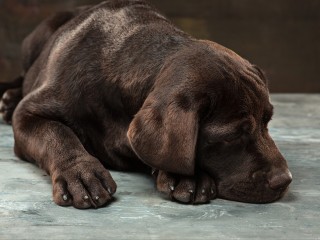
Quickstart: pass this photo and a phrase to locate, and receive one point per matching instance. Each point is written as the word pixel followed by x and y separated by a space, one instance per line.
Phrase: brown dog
pixel 117 86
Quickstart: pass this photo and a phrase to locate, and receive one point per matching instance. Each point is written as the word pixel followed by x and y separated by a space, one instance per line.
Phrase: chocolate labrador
pixel 117 86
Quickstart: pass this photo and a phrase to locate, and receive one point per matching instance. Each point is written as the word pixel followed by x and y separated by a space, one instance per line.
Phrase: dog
pixel 117 86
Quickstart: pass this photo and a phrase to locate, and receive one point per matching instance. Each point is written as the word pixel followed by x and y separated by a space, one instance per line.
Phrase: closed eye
pixel 230 138
pixel 229 133
pixel 233 137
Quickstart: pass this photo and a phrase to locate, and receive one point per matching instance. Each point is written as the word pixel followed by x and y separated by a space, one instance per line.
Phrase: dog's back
pixel 123 32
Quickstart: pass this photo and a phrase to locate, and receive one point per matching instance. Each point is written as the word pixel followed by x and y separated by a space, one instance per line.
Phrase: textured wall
pixel 283 37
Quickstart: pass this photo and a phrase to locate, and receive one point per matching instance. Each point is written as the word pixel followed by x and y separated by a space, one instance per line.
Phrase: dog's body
pixel 117 82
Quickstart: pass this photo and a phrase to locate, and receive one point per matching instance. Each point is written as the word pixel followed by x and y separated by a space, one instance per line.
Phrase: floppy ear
pixel 164 133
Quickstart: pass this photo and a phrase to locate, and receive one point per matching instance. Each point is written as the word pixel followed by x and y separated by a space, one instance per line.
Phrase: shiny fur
pixel 117 86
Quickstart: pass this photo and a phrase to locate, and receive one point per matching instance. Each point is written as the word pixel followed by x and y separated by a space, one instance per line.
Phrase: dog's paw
pixel 83 184
pixel 9 102
pixel 194 190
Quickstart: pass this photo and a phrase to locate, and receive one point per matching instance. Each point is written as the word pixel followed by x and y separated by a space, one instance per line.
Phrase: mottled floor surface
pixel 27 211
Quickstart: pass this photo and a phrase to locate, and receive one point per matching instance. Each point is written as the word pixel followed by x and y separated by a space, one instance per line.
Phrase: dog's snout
pixel 279 179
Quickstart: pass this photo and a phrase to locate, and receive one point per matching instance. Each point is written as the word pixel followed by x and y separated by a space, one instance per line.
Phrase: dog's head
pixel 210 110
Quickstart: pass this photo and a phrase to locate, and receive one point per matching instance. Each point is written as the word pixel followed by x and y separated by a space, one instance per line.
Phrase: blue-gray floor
pixel 139 212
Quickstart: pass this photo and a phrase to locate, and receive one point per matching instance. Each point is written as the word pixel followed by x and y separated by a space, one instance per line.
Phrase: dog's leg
pixel 78 178
pixel 195 190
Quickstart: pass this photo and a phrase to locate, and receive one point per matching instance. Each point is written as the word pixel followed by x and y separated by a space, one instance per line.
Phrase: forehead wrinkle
pixel 253 75
pixel 253 97
pixel 256 90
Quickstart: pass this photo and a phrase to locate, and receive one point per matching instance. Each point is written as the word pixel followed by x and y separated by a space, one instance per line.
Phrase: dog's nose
pixel 279 179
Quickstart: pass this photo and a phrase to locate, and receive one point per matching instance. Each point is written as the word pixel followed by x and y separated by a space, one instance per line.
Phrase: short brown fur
pixel 117 86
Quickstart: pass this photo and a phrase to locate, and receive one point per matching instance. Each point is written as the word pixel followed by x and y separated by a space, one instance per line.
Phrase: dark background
pixel 280 36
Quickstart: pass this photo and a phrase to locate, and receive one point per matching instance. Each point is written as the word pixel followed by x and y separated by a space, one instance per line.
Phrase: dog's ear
pixel 164 132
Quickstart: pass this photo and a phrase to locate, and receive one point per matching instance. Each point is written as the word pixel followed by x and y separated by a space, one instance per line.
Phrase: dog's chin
pixel 250 193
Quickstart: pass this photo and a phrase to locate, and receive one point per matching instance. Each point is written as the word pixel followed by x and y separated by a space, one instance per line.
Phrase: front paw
pixel 9 102
pixel 83 184
pixel 195 190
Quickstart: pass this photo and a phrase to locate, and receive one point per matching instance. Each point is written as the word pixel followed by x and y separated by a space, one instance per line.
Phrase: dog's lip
pixel 253 200
pixel 267 195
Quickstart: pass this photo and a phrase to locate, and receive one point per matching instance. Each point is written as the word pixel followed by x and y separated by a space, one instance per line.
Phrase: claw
pixel 64 197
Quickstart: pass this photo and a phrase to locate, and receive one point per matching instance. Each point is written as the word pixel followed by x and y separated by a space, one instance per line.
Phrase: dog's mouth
pixel 249 192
